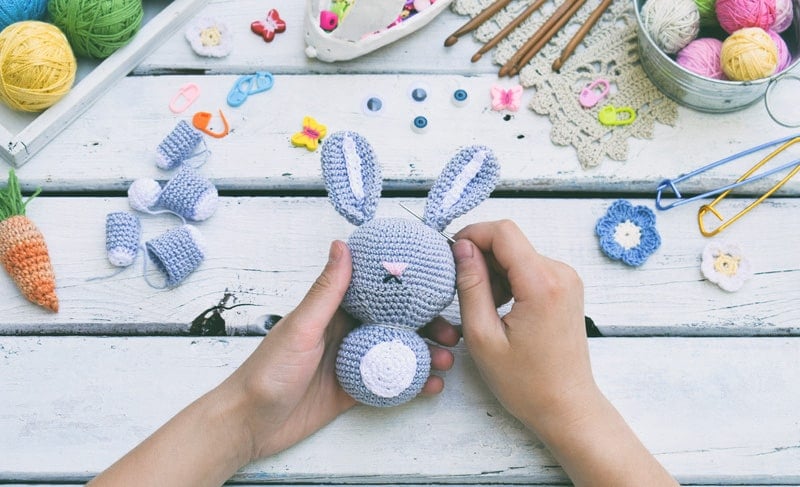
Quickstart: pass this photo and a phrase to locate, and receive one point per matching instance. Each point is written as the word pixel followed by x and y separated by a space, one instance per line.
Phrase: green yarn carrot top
pixel 23 251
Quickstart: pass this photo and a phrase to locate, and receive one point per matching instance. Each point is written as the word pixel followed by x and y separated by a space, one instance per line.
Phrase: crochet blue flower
pixel 628 233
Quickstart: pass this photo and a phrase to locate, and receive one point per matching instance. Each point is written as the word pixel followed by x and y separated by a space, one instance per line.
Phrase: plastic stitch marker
pixel 249 85
pixel 590 96
pixel 188 93
pixel 201 120
pixel 711 206
pixel 609 115
pixel 680 200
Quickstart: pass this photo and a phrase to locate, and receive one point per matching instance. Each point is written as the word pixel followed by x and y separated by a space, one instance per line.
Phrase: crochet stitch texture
pixel 628 233
pixel 186 194
pixel 177 146
pixel 177 253
pixel 403 269
pixel 123 232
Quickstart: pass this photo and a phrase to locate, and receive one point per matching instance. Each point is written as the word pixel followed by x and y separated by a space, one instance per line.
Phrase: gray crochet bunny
pixel 403 269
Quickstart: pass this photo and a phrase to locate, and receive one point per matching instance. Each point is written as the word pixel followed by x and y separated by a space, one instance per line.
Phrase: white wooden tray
pixel 24 134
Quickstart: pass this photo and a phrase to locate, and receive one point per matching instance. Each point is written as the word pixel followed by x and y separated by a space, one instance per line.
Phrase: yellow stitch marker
pixel 609 115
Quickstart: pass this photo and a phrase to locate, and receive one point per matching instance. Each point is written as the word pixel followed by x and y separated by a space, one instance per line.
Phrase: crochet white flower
pixel 726 265
pixel 209 37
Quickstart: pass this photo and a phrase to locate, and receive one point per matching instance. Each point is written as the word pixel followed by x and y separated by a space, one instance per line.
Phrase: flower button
pixel 628 233
pixel 209 37
pixel 725 265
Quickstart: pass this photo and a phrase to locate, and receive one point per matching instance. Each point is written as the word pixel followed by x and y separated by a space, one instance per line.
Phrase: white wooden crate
pixel 24 134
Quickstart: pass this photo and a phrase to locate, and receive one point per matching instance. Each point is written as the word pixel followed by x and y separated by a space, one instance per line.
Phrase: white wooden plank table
pixel 706 378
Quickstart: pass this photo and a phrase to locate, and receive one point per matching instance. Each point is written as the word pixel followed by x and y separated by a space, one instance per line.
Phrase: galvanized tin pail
pixel 706 94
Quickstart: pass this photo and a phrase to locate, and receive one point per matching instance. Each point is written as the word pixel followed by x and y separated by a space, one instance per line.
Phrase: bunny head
pixel 403 268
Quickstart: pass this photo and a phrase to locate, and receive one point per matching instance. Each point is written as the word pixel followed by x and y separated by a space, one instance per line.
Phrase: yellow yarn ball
pixel 37 66
pixel 749 54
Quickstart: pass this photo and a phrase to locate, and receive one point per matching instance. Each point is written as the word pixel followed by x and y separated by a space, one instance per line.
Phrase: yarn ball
pixel 37 66
pixel 738 14
pixel 784 56
pixel 703 56
pixel 749 54
pixel 783 15
pixel 708 15
pixel 97 28
pixel 672 24
pixel 12 11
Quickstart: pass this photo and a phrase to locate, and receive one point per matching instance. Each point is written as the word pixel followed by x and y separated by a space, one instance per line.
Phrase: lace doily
pixel 609 51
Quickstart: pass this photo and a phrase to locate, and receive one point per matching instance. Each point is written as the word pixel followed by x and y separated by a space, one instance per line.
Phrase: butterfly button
pixel 267 29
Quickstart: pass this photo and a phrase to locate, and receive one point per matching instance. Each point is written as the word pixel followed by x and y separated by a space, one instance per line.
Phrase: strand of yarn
pixel 738 14
pixel 97 28
pixel 12 11
pixel 703 56
pixel 37 66
pixel 671 23
pixel 749 54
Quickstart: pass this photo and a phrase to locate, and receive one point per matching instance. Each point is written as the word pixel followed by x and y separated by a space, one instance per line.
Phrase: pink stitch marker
pixel 188 93
pixel 590 95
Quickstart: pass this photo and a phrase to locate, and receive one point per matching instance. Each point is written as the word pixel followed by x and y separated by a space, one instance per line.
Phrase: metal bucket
pixel 706 94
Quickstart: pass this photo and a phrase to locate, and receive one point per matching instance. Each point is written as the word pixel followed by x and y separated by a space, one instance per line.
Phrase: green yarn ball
pixel 708 14
pixel 97 28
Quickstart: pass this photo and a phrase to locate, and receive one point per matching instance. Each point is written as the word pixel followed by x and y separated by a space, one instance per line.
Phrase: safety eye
pixel 460 97
pixel 372 105
pixel 419 124
pixel 419 92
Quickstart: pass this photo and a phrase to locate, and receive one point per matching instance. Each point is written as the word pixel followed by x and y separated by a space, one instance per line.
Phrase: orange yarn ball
pixel 37 66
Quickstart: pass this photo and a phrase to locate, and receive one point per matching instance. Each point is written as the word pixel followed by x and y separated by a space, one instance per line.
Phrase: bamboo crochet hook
pixel 508 28
pixel 476 21
pixel 581 34
pixel 523 56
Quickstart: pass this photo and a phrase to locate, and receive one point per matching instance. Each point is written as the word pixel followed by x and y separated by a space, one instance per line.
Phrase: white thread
pixel 353 164
pixel 462 180
pixel 388 368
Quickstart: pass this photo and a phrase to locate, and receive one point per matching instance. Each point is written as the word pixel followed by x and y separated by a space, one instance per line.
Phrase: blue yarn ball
pixel 12 11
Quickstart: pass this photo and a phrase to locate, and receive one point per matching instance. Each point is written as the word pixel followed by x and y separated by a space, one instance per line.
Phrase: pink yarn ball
pixel 738 14
pixel 784 56
pixel 702 56
pixel 783 15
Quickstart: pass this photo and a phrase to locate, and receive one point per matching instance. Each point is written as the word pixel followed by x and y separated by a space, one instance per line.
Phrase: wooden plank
pixel 280 245
pixel 712 410
pixel 112 145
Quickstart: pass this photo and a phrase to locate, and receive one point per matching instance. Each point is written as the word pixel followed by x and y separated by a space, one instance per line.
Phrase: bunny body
pixel 403 269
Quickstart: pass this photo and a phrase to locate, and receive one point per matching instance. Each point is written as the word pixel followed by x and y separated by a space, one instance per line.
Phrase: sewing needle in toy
pixel 448 237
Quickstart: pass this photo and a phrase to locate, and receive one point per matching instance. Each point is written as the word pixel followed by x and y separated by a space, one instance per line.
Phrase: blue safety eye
pixel 419 92
pixel 419 124
pixel 460 97
pixel 372 105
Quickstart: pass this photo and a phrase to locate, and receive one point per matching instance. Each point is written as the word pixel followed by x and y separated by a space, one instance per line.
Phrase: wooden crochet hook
pixel 542 36
pixel 476 21
pixel 581 34
pixel 504 32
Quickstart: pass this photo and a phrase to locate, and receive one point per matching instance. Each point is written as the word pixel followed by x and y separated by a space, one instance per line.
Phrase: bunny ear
pixel 467 180
pixel 352 176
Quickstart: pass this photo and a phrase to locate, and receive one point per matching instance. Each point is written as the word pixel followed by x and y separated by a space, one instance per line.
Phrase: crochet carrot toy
pixel 23 251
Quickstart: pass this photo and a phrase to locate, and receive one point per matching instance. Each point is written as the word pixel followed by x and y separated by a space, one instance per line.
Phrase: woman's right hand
pixel 535 359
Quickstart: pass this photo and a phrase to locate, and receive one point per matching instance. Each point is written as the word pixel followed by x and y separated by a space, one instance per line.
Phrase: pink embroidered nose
pixel 395 268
